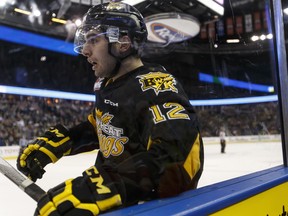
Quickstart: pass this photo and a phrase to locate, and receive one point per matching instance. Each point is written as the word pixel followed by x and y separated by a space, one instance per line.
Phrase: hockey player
pixel 222 136
pixel 143 125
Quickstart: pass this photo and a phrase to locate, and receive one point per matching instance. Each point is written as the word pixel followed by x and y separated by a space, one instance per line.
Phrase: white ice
pixel 239 159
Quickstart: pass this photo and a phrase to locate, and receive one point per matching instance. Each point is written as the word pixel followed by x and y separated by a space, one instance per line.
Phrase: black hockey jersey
pixel 148 133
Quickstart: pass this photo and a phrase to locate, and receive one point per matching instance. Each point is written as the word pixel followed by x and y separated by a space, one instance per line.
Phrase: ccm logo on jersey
pixel 106 101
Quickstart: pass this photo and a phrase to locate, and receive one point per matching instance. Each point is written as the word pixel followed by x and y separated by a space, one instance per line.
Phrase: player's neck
pixel 127 65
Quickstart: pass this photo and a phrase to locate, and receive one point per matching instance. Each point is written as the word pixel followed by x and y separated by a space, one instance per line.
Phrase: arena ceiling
pixel 57 17
pixel 243 60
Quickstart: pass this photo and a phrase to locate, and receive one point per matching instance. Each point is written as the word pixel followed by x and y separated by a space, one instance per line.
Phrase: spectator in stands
pixel 2 141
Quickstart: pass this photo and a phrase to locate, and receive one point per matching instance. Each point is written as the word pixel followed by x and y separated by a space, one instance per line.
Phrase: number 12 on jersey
pixel 174 111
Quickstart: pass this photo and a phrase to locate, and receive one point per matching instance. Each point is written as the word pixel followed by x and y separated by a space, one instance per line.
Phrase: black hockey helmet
pixel 113 19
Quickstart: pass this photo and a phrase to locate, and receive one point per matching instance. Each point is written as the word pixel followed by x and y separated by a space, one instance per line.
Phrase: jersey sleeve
pixel 175 143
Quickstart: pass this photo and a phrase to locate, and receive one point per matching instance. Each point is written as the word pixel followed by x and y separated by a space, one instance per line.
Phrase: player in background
pixel 145 129
pixel 222 135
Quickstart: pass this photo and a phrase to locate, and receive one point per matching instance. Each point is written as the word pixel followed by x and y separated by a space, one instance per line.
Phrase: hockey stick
pixel 24 183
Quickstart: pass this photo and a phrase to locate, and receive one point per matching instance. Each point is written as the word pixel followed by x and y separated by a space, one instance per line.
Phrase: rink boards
pixel 260 193
pixel 9 152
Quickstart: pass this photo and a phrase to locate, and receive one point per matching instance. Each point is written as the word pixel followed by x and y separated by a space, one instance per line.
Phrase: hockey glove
pixel 87 195
pixel 45 149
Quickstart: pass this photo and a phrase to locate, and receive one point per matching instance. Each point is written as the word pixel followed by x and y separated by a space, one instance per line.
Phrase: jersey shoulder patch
pixel 158 82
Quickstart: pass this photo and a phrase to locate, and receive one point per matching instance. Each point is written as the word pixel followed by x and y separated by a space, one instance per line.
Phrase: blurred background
pixel 222 51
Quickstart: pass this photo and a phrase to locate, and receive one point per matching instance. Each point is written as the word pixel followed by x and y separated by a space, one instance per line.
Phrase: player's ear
pixel 125 43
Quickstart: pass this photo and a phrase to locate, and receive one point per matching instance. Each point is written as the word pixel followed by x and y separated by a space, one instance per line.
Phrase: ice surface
pixel 239 159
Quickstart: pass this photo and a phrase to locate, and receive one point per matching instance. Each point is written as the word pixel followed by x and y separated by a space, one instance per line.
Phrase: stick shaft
pixel 34 191
pixel 28 186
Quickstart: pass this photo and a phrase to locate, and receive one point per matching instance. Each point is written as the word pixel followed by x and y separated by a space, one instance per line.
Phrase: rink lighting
pixel 91 98
pixel 235 83
pixel 22 11
pixel 36 13
pixel 285 11
pixel 61 21
pixel 233 41
pixel 255 38
pixel 213 5
pixel 78 22
pixel 36 40
pixel 46 93
pixel 3 3
pixel 269 36
pixel 261 37
pixel 233 101
pixel 133 2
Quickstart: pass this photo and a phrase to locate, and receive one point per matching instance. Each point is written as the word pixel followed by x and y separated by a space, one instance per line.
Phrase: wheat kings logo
pixel 157 81
pixel 111 139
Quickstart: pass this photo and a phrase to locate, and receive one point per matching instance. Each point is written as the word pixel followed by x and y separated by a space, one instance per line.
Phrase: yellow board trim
pixel 268 203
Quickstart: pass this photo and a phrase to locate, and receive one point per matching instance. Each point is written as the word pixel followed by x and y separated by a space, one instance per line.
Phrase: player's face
pixel 96 51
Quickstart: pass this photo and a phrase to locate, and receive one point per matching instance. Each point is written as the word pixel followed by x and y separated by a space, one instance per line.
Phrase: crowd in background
pixel 240 119
pixel 22 118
